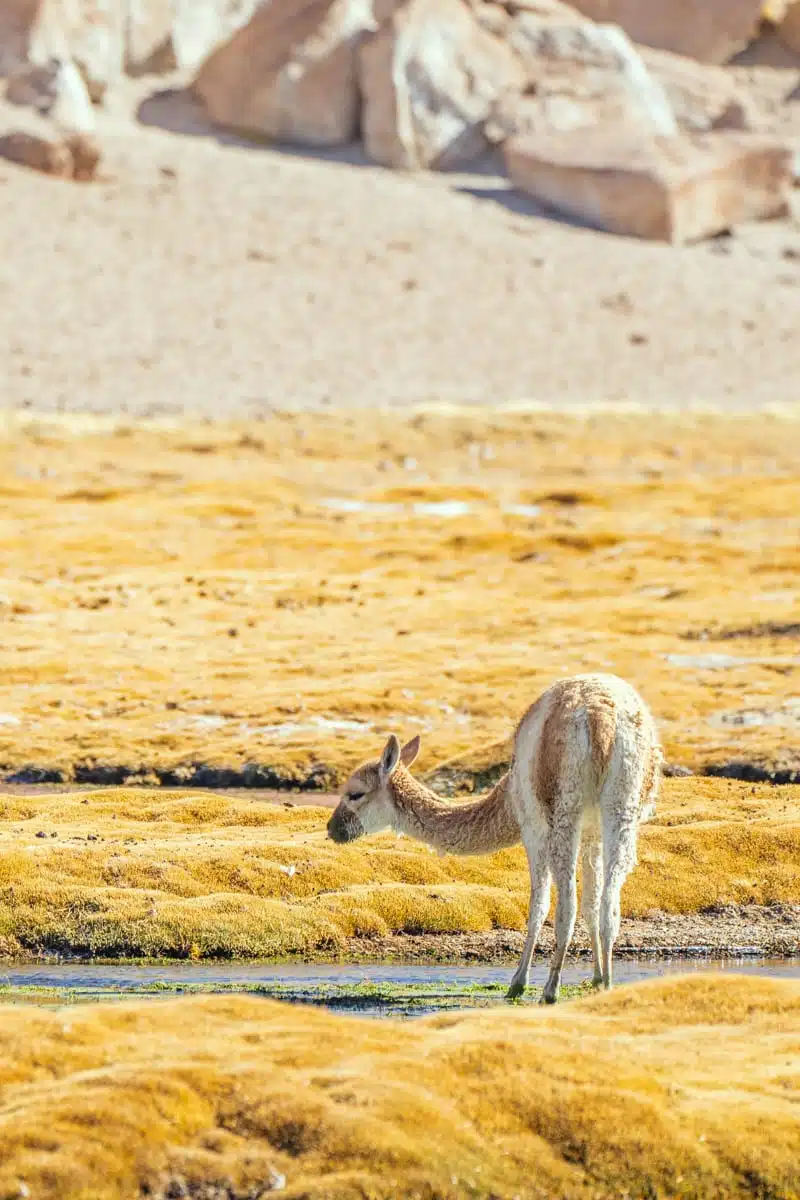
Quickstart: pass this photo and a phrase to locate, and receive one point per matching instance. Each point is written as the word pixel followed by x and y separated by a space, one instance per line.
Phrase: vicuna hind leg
pixel 591 889
pixel 536 850
pixel 565 842
pixel 619 857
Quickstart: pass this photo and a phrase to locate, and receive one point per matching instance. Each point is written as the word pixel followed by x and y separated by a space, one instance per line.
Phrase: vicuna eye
pixel 356 796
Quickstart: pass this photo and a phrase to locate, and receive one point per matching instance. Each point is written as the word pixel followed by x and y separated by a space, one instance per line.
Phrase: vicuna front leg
pixel 540 903
pixel 564 843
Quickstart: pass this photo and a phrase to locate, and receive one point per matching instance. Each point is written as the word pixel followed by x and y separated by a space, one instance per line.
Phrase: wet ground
pixel 396 990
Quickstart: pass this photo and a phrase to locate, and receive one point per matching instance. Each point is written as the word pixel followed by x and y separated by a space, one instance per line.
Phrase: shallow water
pixel 423 508
pixel 786 717
pixel 393 990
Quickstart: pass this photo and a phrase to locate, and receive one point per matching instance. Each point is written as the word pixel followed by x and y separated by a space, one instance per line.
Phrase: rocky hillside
pixel 657 140
pixel 229 256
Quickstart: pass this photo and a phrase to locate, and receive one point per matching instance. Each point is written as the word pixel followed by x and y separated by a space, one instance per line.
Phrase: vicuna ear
pixel 410 751
pixel 390 757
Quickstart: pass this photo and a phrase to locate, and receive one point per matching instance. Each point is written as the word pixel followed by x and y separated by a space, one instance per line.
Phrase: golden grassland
pixel 123 872
pixel 683 1087
pixel 284 593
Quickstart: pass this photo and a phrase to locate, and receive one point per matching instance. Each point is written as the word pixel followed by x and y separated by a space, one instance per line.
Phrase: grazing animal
pixel 585 772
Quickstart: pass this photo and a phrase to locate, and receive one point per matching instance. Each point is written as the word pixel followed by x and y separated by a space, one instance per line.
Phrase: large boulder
pixel 708 30
pixel 789 27
pixel 89 32
pixel 48 154
pixel 430 77
pixel 17 18
pixel 497 15
pixel 56 90
pixel 109 37
pixel 170 35
pixel 290 74
pixel 52 152
pixel 676 190
pixel 579 74
pixel 699 94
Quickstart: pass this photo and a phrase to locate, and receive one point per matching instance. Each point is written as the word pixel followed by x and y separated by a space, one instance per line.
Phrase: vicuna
pixel 584 773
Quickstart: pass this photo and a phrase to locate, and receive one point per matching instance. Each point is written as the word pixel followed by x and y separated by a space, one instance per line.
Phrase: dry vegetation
pixel 580 1102
pixel 137 872
pixel 172 595
pixel 282 594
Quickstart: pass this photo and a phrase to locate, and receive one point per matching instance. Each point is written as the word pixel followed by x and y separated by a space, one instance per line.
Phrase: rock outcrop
pixel 430 77
pixel 708 30
pixel 442 80
pixel 579 74
pixel 107 38
pixel 789 28
pixel 90 32
pixel 290 74
pixel 698 93
pixel 608 131
pixel 17 18
pixel 673 190
pixel 56 90
pixel 72 156
pixel 178 35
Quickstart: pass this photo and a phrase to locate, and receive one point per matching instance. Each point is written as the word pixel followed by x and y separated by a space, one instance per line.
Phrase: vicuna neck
pixel 480 827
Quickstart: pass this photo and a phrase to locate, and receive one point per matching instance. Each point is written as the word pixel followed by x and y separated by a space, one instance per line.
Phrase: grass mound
pixel 132 872
pixel 682 1087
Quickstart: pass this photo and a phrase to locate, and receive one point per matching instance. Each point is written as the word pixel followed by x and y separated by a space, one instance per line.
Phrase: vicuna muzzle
pixel 344 826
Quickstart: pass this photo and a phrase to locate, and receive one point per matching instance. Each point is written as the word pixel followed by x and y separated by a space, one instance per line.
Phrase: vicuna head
pixel 368 804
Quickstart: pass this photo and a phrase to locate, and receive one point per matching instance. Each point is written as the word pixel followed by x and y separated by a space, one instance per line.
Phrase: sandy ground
pixel 211 278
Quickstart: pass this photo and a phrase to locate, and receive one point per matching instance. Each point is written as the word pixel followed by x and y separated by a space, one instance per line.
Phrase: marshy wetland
pixel 191 875
pixel 181 603
pixel 205 627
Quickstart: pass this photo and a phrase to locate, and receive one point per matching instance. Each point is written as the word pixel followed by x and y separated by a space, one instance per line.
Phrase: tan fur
pixel 547 767
pixel 567 696
pixel 365 779
pixel 602 730
pixel 480 827
pixel 650 781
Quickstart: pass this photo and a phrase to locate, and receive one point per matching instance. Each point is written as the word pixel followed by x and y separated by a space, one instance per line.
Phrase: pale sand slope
pixel 244 278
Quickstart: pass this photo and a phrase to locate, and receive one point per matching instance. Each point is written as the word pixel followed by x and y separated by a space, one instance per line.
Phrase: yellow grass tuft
pixel 137 872
pixel 683 1087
